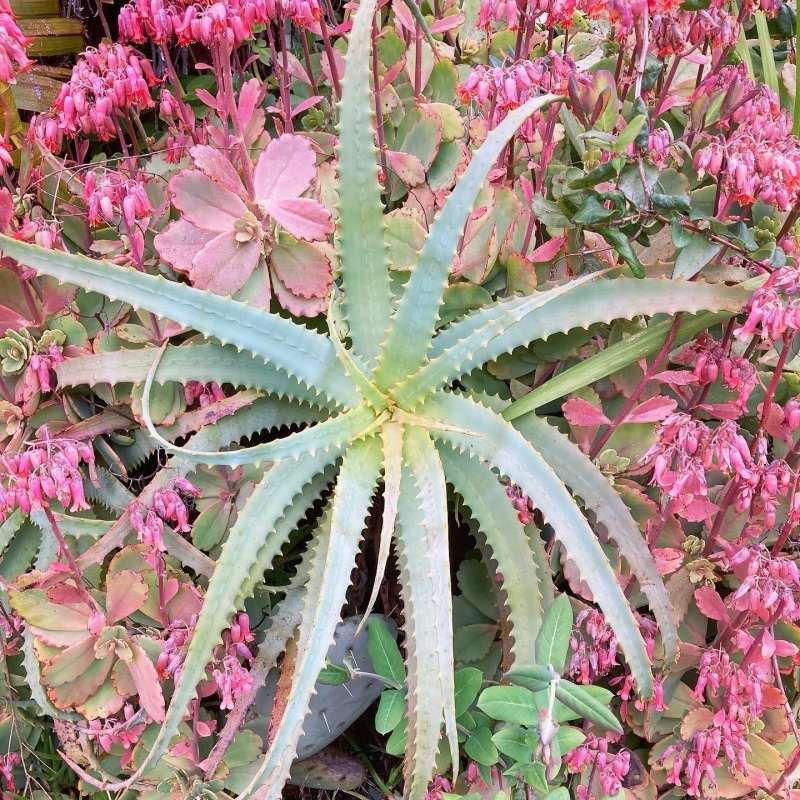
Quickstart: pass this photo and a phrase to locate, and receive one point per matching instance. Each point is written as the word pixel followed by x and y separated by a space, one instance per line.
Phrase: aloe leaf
pixel 330 433
pixel 9 527
pixel 361 226
pixel 584 480
pixel 619 355
pixel 491 508
pixel 413 324
pixel 471 351
pixel 297 350
pixel 496 442
pixel 199 362
pixel 392 435
pixel 542 561
pixel 335 555
pixel 256 528
pixel 431 496
pixel 502 327
pixel 425 710
pixel 263 415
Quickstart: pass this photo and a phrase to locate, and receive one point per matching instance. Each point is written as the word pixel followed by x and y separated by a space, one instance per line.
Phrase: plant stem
pixel 326 41
pixel 597 447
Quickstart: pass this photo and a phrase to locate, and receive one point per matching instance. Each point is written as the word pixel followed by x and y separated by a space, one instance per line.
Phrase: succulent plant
pixel 16 349
pixel 380 403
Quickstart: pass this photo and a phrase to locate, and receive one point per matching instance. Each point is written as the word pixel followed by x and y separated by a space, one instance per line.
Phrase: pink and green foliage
pixel 620 298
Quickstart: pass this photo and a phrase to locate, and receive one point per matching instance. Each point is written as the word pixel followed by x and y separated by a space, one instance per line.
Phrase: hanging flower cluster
pixel 167 506
pixel 106 81
pixel 45 470
pixel 12 45
pixel 116 195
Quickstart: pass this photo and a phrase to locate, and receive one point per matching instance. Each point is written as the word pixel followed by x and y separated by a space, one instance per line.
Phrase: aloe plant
pixel 379 402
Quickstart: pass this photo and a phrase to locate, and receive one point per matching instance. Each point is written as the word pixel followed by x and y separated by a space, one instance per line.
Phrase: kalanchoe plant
pixel 382 403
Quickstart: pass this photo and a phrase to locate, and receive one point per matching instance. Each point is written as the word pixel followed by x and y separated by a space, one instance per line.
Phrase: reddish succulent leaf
pixel 583 414
pixel 248 101
pixel 65 594
pixel 653 410
pixel 668 559
pixel 126 592
pixel 205 202
pixel 303 269
pixel 548 252
pixel 213 163
pixel 103 703
pixel 58 638
pixel 303 217
pixel 285 169
pixel 676 377
pixel 696 720
pixel 70 664
pixel 698 510
pixel 224 265
pixel 145 677
pixel 447 23
pixel 83 687
pixel 180 243
pixel 122 679
pixel 407 167
pixel 14 311
pixel 710 603
pixel 185 602
pixel 297 305
pixel 36 609
pixel 722 410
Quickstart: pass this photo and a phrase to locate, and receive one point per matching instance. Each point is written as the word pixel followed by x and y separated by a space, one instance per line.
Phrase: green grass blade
pixel 335 555
pixel 575 469
pixel 298 351
pixel 413 324
pixel 364 261
pixel 767 57
pixel 499 444
pixel 505 535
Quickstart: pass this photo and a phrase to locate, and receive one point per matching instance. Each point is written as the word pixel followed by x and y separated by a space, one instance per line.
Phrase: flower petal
pixel 224 265
pixel 213 163
pixel 285 168
pixel 204 202
pixel 180 243
pixel 302 217
pixel 303 269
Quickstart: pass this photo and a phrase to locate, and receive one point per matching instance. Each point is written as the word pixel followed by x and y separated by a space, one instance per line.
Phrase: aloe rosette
pixel 377 404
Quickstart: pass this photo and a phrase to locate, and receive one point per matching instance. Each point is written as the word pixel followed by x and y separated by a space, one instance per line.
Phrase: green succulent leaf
pixel 583 703
pixel 384 653
pixel 552 644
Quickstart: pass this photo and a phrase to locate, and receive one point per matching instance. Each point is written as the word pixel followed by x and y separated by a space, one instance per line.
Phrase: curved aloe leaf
pixel 298 351
pixel 426 690
pixel 417 312
pixel 335 555
pixel 618 356
pixel 392 435
pixel 199 362
pixel 256 528
pixel 499 444
pixel 577 471
pixel 360 227
pixel 504 326
pixel 431 497
pixel 482 493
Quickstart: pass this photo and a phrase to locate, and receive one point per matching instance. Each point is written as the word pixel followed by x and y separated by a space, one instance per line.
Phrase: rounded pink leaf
pixel 653 410
pixel 71 663
pixel 302 217
pixel 224 265
pixel 126 592
pixel 204 202
pixel 583 414
pixel 180 243
pixel 145 677
pixel 297 305
pixel 407 167
pixel 285 168
pixel 303 269
pixel 213 163
pixel 710 604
